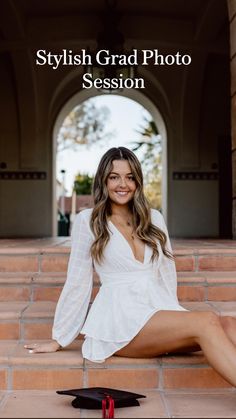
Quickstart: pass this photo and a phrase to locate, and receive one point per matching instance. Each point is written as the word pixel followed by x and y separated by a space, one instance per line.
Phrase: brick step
pixel 21 370
pixel 192 286
pixel 51 255
pixel 33 320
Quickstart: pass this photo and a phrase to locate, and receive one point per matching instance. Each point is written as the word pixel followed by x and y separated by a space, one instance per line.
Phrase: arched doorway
pixel 135 96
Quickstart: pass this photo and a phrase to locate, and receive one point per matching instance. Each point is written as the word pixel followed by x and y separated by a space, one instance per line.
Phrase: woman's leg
pixel 171 331
pixel 229 325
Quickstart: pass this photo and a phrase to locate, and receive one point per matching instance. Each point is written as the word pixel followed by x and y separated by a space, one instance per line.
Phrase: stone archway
pixel 136 96
pixel 232 22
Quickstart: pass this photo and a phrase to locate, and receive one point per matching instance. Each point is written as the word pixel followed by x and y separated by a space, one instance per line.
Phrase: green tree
pixel 150 142
pixel 83 184
pixel 85 125
pixel 152 184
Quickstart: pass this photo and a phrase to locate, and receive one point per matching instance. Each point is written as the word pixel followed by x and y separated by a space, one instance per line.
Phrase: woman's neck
pixel 120 210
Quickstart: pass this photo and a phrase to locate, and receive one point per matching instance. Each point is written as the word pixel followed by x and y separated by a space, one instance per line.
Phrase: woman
pixel 136 312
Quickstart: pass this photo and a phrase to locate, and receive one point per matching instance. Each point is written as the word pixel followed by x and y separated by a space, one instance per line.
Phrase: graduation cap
pixel 102 398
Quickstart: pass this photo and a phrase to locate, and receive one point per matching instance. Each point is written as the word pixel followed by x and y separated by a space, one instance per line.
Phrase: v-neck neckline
pixel 126 241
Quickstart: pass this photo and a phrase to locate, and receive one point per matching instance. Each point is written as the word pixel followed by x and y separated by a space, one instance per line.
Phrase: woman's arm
pixel 74 300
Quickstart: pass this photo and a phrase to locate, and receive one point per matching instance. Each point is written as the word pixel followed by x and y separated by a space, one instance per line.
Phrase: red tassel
pixel 111 408
pixel 104 402
pixel 110 401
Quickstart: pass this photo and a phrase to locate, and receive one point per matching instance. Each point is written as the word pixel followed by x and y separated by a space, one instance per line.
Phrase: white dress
pixel 130 292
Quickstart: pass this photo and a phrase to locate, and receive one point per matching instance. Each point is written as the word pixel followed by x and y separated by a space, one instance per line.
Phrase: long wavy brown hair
pixel 139 206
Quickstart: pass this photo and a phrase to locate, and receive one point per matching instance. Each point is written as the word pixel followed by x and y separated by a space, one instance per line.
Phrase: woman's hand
pixel 51 346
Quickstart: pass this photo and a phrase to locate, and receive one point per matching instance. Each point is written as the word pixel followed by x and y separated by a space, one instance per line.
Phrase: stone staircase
pixel 32 273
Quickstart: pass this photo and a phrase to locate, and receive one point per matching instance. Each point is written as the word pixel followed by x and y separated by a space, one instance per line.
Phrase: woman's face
pixel 121 183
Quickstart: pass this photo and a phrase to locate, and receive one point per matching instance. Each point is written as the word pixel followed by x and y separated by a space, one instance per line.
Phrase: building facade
pixel 195 105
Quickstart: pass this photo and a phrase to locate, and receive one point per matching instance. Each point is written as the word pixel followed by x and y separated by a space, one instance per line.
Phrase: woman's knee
pixel 208 319
pixel 228 323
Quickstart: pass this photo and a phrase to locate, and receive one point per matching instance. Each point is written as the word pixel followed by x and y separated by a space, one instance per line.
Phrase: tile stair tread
pixel 23 310
pixel 64 248
pixel 223 277
pixel 13 353
pixel 62 245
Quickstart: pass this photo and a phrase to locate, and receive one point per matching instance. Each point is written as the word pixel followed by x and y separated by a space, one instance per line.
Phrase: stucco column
pixel 232 21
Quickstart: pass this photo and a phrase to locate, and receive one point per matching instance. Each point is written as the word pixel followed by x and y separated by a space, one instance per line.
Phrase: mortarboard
pixel 102 398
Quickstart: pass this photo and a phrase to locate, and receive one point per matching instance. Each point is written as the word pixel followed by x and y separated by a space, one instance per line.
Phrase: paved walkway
pixel 158 404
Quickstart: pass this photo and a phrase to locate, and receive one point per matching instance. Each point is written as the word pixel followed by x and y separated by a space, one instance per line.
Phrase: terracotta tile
pixel 192 358
pixel 46 293
pixel 40 309
pixel 64 249
pixel 225 308
pixel 217 263
pixel 36 243
pixel 9 331
pixel 191 293
pixel 6 349
pixel 15 279
pixel 199 306
pixel 38 404
pixel 54 263
pixel 46 379
pixel 70 356
pixel 121 360
pixel 3 379
pixel 12 310
pixel 37 330
pixel 221 293
pixel 18 250
pixel 139 378
pixel 182 250
pixel 150 407
pixel 193 277
pixel 14 294
pixel 221 278
pixel 218 250
pixel 44 279
pixel 176 378
pixel 222 405
pixel 19 263
pixel 185 263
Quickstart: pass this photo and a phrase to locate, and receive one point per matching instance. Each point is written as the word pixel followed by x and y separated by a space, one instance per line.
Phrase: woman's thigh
pixel 166 331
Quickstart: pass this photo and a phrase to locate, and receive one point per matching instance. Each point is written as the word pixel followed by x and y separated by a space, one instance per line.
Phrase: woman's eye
pixel 114 177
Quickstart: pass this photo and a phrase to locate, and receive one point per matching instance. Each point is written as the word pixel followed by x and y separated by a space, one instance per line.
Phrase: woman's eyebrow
pixel 114 173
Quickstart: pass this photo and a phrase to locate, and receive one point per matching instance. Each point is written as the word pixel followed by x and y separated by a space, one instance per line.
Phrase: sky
pixel 126 116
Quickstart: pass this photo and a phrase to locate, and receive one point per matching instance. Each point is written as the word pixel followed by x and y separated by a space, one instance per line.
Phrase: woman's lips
pixel 122 193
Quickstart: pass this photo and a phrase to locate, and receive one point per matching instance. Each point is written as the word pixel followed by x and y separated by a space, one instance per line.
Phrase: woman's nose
pixel 122 182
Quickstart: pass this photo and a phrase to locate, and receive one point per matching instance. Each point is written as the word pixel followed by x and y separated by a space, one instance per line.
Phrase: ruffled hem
pixel 98 350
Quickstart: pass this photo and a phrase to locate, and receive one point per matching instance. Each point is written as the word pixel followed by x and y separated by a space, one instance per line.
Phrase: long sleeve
pixel 167 268
pixel 74 300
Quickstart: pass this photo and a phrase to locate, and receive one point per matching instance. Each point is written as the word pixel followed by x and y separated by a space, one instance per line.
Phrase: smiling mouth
pixel 122 193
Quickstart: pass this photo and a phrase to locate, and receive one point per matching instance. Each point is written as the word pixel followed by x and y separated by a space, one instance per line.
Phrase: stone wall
pixel 232 20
